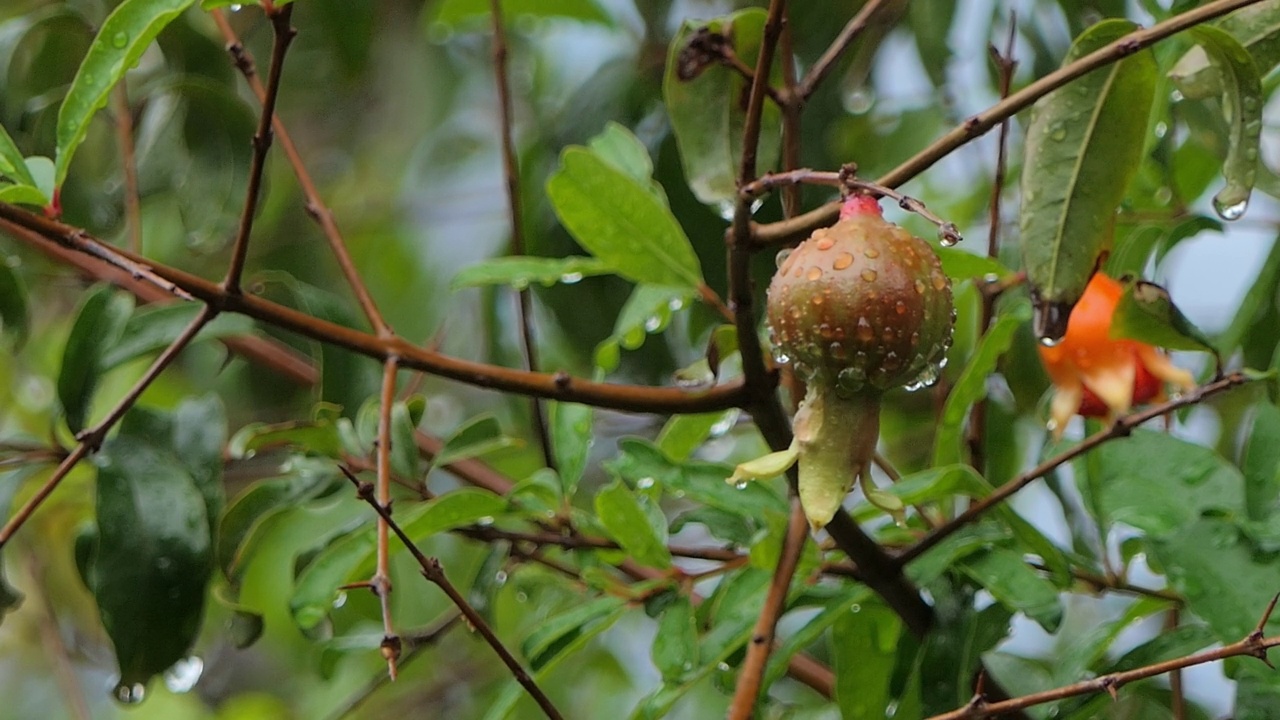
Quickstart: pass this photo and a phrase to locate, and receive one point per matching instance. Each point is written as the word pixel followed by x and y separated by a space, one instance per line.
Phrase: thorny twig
pixel 284 33
pixel 432 571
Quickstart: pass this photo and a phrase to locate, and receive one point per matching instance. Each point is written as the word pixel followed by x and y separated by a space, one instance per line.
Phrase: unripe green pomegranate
pixel 858 308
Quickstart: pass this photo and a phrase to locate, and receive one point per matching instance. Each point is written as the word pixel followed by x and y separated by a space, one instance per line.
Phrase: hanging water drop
pixel 1051 322
pixel 949 235
pixel 1229 208
pixel 130 694
pixel 570 278
pixel 183 675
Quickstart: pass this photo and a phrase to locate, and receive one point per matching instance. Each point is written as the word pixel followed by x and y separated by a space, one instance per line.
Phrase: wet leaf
pixel 478 436
pixel 521 272
pixel 1256 28
pixel 1146 313
pixel 154 327
pixel 708 110
pixel 1084 144
pixel 571 440
pixel 619 221
pixel 125 35
pixel 675 646
pixel 15 310
pixel 12 164
pixel 864 645
pixel 641 531
pixel 1009 579
pixel 647 311
pixel 100 320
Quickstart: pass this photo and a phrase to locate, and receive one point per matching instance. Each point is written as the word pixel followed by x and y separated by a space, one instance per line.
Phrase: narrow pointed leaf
pixel 1084 145
pixel 1256 28
pixel 621 513
pixel 99 322
pixel 571 438
pixel 125 35
pixel 521 272
pixel 12 164
pixel 1242 102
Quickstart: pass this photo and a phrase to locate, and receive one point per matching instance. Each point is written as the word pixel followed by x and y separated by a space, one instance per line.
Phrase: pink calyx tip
pixel 859 205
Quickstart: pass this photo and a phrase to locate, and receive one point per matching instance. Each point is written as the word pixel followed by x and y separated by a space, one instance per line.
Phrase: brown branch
pixel 316 207
pixel 794 228
pixel 1177 699
pixel 90 440
pixel 557 386
pixel 432 571
pixel 284 33
pixel 827 61
pixel 511 171
pixel 380 583
pixel 415 642
pixel 748 688
pixel 1253 645
pixel 791 124
pixel 1007 65
pixel 1121 428
pixel 259 350
pixel 128 165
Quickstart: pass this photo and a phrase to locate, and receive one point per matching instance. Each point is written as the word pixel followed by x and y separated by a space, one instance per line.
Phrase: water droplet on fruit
pixel 815 272
pixel 920 287
pixel 900 308
pixel 1229 210
pixel 871 253
pixel 869 275
pixel 183 675
pixel 781 257
pixel 927 377
pixel 825 330
pixel 130 694
pixel 838 351
pixel 842 261
pixel 780 356
pixel 865 332
pixel 939 281
pixel 795 312
pixel 817 300
pixel 825 243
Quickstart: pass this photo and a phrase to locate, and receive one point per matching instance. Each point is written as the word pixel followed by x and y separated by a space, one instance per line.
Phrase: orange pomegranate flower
pixel 1097 376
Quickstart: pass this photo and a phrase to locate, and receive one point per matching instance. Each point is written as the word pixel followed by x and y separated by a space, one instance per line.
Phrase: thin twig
pixel 315 207
pixel 128 165
pixel 432 571
pixel 90 440
pixel 1177 700
pixel 827 61
pixel 1121 428
pixel 1253 645
pixel 51 638
pixel 787 230
pixel 284 33
pixel 557 386
pixel 748 688
pixel 380 583
pixel 263 351
pixel 511 171
pixel 415 643
pixel 976 436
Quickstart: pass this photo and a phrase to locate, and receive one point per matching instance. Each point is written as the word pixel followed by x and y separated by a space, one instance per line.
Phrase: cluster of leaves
pixel 622 537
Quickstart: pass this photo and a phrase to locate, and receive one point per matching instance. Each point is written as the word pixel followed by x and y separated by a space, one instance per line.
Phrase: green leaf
pixel 42 170
pixel 1009 579
pixel 154 552
pixel 1168 645
pixel 699 482
pixel 708 110
pixel 847 602
pixel 316 437
pixel 627 521
pixel 864 646
pixel 619 221
pixel 647 311
pixel 1207 561
pixel 555 634
pixel 963 265
pixel 153 328
pixel 478 436
pixel 317 587
pixel 199 434
pixel 12 164
pixel 675 646
pixel 100 320
pixel 685 433
pixel 15 311
pixel 1158 483
pixel 1256 27
pixel 23 195
pixel 1257 304
pixel 523 271
pixel 406 461
pixel 125 35
pixel 1242 101
pixel 619 147
pixel 463 14
pixel 1084 144
pixel 10 598
pixel 571 440
pixel 1146 313
pixel 303 480
pixel 1261 464
pixel 971 386
pixel 245 625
